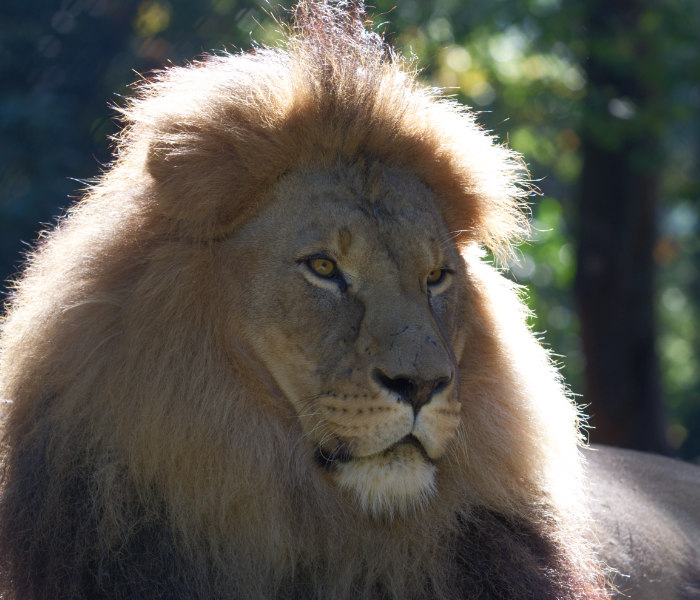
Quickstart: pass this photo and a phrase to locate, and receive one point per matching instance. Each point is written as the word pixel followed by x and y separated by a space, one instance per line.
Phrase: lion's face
pixel 351 288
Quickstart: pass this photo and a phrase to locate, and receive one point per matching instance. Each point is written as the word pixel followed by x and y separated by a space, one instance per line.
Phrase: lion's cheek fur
pixel 500 420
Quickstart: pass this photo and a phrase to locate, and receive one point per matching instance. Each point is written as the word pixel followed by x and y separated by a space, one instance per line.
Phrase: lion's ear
pixel 203 184
pixel 211 137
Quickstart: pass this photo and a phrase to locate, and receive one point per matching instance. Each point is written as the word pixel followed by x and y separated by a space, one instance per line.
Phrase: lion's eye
pixel 323 267
pixel 436 276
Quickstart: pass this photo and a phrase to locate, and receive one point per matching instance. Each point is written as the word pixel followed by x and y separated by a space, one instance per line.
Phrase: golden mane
pixel 149 454
pixel 334 91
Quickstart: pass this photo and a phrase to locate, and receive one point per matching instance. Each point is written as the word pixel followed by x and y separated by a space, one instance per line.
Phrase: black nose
pixel 415 391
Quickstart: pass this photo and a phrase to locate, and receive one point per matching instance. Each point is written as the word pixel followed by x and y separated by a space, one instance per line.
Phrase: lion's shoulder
pixel 646 520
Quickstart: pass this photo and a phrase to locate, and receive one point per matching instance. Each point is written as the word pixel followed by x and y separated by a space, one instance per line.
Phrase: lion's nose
pixel 415 391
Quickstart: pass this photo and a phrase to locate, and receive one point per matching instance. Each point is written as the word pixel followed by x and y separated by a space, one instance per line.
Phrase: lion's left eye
pixel 438 280
pixel 436 277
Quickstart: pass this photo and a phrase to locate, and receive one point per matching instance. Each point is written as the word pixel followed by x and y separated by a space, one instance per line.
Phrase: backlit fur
pixel 148 452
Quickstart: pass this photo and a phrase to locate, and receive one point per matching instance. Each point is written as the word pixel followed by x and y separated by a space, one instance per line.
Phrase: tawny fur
pixel 146 452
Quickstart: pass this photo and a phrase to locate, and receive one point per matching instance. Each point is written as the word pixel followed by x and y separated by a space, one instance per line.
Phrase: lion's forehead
pixel 392 219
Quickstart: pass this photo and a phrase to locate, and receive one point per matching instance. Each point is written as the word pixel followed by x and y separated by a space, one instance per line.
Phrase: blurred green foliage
pixel 518 63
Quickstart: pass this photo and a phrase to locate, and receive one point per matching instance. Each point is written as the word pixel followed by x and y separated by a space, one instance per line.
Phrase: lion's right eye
pixel 323 267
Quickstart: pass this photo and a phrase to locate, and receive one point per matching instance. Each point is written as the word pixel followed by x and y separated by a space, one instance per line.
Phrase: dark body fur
pixel 493 558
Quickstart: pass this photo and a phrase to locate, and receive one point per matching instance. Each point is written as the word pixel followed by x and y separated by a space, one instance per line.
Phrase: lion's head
pixel 355 309
pixel 264 355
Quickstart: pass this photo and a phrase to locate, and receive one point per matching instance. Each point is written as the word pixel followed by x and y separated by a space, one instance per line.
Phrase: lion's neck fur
pixel 295 540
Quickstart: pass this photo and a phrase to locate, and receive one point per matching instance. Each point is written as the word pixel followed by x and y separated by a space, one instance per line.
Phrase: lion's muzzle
pixel 412 390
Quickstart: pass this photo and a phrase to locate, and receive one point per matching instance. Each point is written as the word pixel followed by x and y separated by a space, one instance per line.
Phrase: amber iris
pixel 435 276
pixel 324 267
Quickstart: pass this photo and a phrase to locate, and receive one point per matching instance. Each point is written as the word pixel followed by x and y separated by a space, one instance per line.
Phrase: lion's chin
pixel 396 481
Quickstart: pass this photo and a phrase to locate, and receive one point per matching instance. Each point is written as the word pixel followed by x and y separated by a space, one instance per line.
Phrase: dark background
pixel 602 98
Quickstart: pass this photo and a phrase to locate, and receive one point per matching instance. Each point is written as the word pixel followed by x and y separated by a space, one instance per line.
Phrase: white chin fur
pixel 394 482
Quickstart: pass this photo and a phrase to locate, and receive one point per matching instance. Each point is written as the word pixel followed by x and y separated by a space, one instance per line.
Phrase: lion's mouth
pixel 327 459
pixel 340 455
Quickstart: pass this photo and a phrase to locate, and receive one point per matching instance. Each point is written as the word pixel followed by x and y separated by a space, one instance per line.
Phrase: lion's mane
pixel 146 453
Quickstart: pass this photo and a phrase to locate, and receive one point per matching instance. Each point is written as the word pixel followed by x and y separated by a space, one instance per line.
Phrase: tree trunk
pixel 617 211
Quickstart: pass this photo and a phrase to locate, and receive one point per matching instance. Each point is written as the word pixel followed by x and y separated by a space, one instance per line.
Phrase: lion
pixel 265 356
